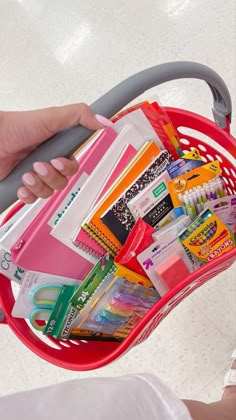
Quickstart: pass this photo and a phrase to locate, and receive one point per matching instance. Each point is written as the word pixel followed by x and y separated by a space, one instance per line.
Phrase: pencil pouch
pixel 139 239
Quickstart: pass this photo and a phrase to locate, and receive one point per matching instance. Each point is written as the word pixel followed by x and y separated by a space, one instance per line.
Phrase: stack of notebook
pixel 92 216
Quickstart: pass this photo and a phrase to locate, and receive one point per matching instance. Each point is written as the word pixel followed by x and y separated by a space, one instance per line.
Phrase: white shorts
pixel 139 397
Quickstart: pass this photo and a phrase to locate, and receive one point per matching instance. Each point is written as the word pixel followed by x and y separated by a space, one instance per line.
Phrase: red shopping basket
pixel 218 144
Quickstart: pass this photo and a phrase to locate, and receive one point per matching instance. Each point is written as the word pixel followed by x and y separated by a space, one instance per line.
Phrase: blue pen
pixel 112 317
pixel 112 323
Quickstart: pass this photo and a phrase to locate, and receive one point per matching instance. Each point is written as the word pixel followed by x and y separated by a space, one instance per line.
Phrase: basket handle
pixel 68 141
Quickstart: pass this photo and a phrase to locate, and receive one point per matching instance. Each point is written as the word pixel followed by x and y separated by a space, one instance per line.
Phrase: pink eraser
pixel 172 270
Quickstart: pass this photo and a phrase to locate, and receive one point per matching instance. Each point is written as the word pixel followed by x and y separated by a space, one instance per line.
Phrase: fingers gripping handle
pixel 68 141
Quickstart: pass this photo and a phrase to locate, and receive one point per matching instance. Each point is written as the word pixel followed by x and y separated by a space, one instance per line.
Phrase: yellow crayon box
pixel 207 237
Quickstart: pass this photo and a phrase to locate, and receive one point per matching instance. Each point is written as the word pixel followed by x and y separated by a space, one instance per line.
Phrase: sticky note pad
pixel 172 271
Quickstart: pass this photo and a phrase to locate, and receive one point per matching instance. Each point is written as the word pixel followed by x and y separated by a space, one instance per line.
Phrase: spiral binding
pixel 85 247
pixel 107 241
pixel 101 239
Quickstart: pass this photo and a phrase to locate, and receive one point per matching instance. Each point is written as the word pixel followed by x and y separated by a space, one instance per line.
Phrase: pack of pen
pixel 72 299
pixel 116 307
pixel 196 199
pixel 62 317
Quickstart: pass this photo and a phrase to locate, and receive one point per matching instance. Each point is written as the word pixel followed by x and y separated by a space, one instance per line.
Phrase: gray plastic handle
pixel 67 142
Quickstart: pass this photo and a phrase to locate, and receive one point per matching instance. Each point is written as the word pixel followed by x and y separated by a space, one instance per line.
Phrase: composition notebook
pixel 118 218
pixel 93 223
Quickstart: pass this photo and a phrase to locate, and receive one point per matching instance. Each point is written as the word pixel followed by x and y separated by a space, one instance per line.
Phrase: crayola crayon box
pixel 207 237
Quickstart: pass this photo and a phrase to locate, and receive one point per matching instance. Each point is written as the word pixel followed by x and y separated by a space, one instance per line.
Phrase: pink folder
pixel 36 249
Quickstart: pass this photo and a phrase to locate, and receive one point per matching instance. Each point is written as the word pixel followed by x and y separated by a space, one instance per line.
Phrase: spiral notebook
pixel 82 238
pixel 93 223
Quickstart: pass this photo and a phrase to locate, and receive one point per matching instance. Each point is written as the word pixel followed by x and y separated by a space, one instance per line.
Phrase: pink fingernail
pixel 57 164
pixel 22 192
pixel 104 120
pixel 29 179
pixel 40 168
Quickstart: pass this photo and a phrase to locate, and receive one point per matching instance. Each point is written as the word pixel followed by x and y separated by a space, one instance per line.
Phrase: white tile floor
pixel 62 51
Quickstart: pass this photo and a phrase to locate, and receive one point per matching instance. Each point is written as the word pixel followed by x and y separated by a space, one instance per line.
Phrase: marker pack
pixel 196 177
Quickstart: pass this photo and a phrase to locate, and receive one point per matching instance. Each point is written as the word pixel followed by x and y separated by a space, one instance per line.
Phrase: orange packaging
pixel 194 178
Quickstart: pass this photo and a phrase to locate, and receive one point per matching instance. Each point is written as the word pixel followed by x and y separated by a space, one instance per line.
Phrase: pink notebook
pixel 82 239
pixel 36 249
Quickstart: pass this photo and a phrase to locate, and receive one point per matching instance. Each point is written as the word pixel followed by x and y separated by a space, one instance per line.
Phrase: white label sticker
pixel 68 200
pixel 8 269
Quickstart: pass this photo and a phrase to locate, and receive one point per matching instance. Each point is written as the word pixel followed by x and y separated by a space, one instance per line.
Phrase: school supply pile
pixel 138 212
pixel 141 219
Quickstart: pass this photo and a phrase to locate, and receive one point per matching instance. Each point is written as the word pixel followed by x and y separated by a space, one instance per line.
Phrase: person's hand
pixel 22 132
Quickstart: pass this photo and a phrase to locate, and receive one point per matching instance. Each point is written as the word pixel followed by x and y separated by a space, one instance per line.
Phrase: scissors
pixel 43 298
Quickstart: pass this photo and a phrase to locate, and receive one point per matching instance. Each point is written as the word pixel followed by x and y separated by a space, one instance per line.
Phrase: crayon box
pixel 207 237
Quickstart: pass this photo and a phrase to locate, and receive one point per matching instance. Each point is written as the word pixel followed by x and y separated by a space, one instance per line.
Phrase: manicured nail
pixel 29 179
pixel 104 120
pixel 22 192
pixel 40 168
pixel 57 164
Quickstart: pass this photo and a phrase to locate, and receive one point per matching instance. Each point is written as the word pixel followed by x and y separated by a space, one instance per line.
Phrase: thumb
pixel 35 127
pixel 56 119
